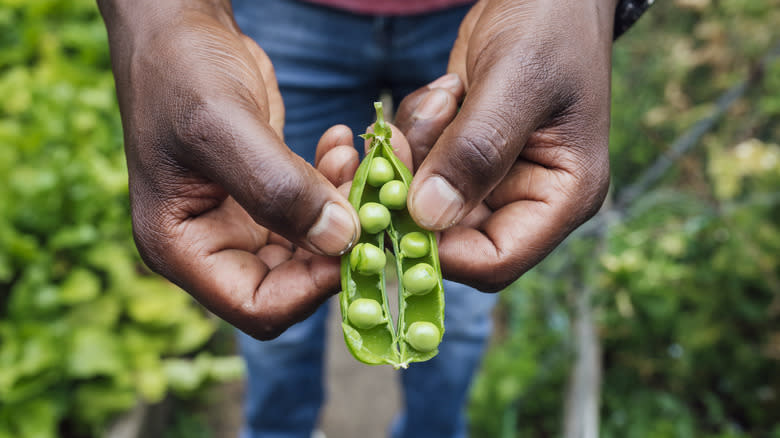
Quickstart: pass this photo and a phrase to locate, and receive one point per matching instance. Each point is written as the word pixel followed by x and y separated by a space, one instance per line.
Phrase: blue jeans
pixel 331 65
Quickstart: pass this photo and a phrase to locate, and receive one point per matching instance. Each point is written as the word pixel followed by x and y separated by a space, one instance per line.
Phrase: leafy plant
pixel 85 331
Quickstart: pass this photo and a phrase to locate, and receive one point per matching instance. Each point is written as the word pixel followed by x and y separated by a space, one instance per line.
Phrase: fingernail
pixel 335 230
pixel 432 104
pixel 436 204
pixel 448 81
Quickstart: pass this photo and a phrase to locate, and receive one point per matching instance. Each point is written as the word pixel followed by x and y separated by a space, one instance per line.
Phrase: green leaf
pixel 94 351
pixel 226 369
pixel 96 402
pixel 45 412
pixel 192 335
pixel 157 303
pixel 80 285
pixel 152 383
pixel 185 375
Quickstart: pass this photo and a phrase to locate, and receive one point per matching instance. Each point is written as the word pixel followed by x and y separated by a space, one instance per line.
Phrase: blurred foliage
pixel 85 331
pixel 687 280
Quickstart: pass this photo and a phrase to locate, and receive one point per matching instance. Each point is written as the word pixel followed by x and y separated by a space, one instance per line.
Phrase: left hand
pixel 525 161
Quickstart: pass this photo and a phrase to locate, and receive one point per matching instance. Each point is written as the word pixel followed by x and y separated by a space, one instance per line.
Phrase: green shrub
pixel 85 331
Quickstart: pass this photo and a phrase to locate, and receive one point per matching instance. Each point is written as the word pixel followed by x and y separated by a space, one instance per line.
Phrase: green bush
pixel 85 331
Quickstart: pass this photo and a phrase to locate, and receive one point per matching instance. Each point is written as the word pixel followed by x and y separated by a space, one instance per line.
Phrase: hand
pixel 220 205
pixel 525 161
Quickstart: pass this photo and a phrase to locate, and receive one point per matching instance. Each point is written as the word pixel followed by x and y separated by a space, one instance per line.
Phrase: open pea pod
pixel 378 193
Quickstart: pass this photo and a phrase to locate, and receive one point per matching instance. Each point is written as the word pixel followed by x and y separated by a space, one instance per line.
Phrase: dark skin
pixel 224 209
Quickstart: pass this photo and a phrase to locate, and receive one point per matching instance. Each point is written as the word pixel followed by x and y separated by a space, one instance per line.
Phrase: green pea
pixel 374 217
pixel 393 194
pixel 420 279
pixel 423 336
pixel 415 245
pixel 366 258
pixel 365 313
pixel 381 171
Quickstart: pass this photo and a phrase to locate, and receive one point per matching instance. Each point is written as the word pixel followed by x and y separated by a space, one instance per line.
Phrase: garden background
pixel 658 318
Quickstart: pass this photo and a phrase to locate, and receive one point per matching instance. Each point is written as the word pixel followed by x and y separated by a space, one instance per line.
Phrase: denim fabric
pixel 331 65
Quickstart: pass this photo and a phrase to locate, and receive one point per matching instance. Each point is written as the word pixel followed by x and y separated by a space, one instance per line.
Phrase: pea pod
pixel 372 338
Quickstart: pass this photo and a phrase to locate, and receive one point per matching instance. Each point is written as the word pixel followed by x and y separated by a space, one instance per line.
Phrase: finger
pixel 277 239
pixel 339 164
pixel 345 187
pixel 449 82
pixel 263 302
pixel 399 144
pixel 568 163
pixel 459 53
pixel 423 115
pixel 274 255
pixel 536 208
pixel 273 95
pixel 223 260
pixel 528 181
pixel 507 244
pixel 337 135
pixel 336 158
pixel 477 150
pixel 229 144
pixel 477 216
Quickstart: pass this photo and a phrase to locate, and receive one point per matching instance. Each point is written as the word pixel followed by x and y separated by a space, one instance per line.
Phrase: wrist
pixel 145 15
pixel 598 16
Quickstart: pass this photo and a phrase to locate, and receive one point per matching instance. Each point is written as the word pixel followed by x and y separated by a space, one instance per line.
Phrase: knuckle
pixel 265 332
pixel 487 280
pixel 593 180
pixel 492 285
pixel 481 152
pixel 150 245
pixel 506 273
pixel 403 117
pixel 258 320
pixel 280 197
pixel 493 275
pixel 152 230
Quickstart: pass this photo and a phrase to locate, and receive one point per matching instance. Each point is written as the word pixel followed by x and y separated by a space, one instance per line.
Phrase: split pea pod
pixel 378 193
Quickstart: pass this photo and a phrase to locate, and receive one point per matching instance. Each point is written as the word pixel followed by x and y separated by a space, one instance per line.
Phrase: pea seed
pixel 420 279
pixel 423 336
pixel 393 194
pixel 381 171
pixel 365 313
pixel 366 258
pixel 415 245
pixel 374 217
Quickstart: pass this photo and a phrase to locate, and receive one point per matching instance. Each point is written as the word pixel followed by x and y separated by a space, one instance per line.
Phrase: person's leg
pixel 284 381
pixel 320 59
pixel 435 392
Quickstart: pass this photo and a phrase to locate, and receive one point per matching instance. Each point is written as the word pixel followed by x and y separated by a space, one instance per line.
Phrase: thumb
pixel 234 147
pixel 474 153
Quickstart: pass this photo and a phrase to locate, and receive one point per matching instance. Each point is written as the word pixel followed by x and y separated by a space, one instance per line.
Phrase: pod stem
pixel 382 132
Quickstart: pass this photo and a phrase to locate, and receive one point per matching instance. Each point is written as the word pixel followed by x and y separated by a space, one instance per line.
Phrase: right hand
pixel 219 203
